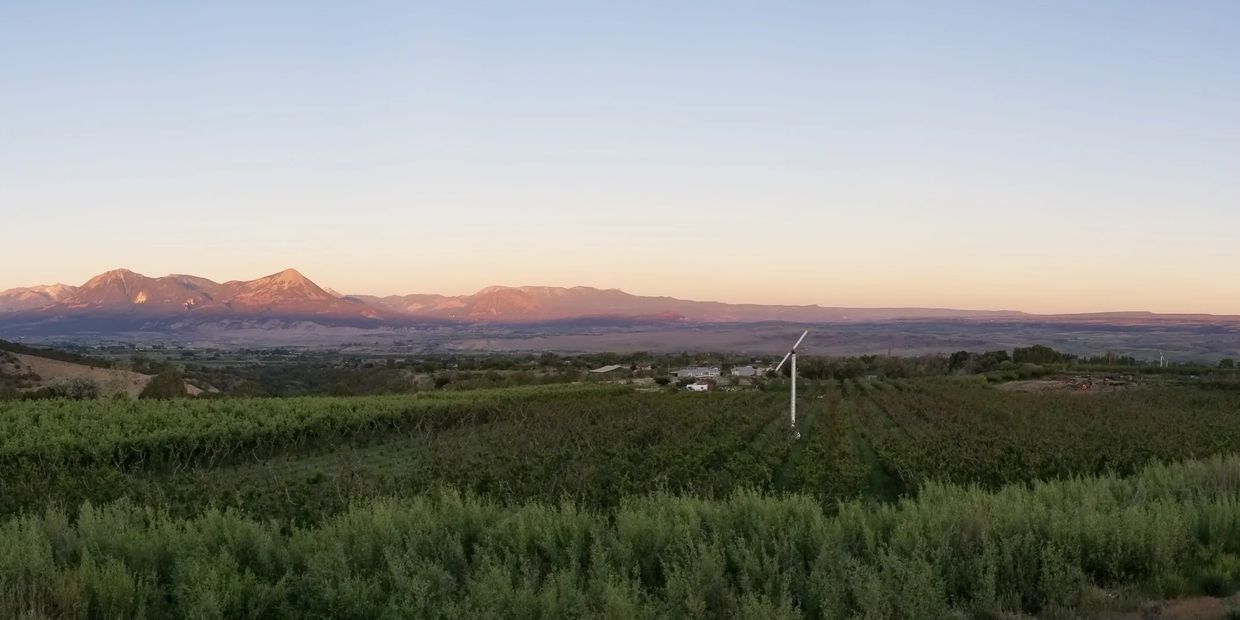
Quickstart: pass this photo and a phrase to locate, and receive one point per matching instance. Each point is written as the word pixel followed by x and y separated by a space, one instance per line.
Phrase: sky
pixel 1038 156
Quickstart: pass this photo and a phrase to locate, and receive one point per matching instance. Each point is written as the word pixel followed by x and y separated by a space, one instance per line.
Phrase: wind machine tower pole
pixel 793 408
pixel 792 354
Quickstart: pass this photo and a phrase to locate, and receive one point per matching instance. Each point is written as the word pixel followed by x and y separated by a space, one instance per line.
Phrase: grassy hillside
pixel 29 369
pixel 111 381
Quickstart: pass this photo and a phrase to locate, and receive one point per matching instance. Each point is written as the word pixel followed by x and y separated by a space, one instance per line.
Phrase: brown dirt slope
pixel 110 381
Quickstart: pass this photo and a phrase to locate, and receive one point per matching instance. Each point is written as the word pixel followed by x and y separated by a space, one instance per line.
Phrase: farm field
pixel 305 458
pixel 973 434
pixel 602 500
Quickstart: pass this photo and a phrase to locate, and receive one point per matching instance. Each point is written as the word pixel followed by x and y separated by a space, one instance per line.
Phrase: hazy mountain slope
pixel 289 293
pixel 545 303
pixel 33 297
pixel 176 301
pixel 415 304
pixel 121 292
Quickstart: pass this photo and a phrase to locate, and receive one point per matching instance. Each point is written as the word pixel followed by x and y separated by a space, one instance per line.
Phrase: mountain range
pixel 124 292
pixel 288 296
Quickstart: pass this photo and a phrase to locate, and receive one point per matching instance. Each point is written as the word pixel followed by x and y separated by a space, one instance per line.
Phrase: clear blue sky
pixel 1046 156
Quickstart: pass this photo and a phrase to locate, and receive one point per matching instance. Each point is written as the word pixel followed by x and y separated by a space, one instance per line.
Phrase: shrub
pixel 168 384
pixel 77 388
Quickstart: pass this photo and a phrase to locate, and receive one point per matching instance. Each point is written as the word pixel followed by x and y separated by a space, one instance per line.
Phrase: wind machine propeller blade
pixel 781 364
pixel 792 351
pixel 803 335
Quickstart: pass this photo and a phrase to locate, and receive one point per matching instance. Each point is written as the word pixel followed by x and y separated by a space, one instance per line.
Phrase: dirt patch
pixel 1036 385
pixel 1084 384
pixel 111 381
pixel 15 374
pixel 1196 608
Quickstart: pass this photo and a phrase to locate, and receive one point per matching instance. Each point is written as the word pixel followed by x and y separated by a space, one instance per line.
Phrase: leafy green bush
pixel 169 383
pixel 77 388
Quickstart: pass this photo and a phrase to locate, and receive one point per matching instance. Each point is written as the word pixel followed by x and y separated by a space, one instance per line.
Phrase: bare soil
pixel 1196 608
pixel 1080 384
pixel 111 381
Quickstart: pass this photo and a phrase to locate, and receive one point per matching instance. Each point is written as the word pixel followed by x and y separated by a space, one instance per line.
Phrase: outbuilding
pixel 607 369
pixel 702 385
pixel 748 371
pixel 697 372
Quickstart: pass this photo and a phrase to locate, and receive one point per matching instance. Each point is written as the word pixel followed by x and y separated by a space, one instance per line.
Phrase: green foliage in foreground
pixel 1169 530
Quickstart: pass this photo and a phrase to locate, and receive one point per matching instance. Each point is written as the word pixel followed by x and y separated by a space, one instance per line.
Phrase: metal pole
pixel 794 390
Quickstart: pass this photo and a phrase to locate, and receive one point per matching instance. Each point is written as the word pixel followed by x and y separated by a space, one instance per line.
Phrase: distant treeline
pixel 337 374
pixel 54 354
pixel 285 372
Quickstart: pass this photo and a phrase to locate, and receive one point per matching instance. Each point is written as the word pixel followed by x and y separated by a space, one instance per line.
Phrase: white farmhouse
pixel 748 371
pixel 697 372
